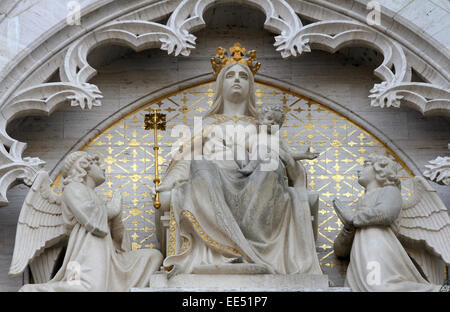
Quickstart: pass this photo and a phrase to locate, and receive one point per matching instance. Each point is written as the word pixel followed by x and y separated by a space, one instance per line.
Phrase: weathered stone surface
pixel 238 282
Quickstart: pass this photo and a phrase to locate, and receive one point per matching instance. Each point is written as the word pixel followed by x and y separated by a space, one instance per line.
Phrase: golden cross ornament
pixel 156 121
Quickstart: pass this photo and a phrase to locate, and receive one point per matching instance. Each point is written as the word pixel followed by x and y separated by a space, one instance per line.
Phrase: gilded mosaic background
pixel 127 154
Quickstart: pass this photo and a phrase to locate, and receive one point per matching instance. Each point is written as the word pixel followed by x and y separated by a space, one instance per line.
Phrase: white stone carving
pixel 426 98
pixel 280 19
pixel 13 168
pixel 424 222
pixel 139 35
pixel 75 73
pixel 438 170
pixel 377 232
pixel 239 282
pixel 294 39
pixel 396 88
pixel 98 255
pixel 46 97
pixel 228 222
pixel 12 171
pixel 176 38
pixel 43 99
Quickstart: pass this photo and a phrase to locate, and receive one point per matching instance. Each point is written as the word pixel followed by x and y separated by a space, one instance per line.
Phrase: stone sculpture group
pixel 234 214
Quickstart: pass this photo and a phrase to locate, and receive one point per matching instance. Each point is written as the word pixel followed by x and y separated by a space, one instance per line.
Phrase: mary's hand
pixel 164 193
pixel 166 187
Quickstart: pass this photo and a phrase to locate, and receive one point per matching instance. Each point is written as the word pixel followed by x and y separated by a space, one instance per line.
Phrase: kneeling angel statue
pixel 393 244
pixel 76 242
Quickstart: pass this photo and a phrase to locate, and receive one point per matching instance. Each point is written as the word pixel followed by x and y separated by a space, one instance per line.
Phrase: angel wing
pixel 423 227
pixel 39 230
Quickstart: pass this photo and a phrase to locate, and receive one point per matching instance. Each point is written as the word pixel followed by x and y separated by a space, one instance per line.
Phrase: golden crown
pixel 237 53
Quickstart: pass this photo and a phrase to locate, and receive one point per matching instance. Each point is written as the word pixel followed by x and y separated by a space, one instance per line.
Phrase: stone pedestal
pixel 238 282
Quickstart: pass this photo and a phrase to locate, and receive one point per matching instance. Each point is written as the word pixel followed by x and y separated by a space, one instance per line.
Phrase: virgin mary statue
pixel 223 216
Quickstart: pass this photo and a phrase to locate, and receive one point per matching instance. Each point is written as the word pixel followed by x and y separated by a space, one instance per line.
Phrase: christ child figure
pixel 267 145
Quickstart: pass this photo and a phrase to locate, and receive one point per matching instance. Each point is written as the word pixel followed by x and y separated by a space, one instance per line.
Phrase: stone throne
pixel 217 281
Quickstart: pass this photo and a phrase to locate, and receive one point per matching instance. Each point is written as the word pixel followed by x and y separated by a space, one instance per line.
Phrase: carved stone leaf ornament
pixel 89 99
pixel 139 35
pixel 15 171
pixel 439 170
pixel 293 39
pixel 381 97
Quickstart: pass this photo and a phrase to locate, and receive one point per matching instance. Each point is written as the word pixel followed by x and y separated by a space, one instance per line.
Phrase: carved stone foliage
pixel 139 35
pixel 75 72
pixel 334 35
pixel 438 170
pixel 423 97
pixel 280 19
pixel 175 37
pixel 16 170
pixel 44 99
pixel 295 39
